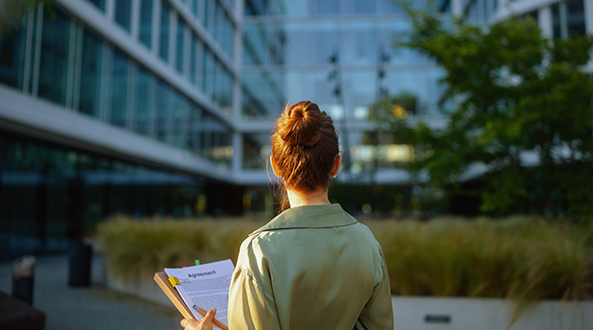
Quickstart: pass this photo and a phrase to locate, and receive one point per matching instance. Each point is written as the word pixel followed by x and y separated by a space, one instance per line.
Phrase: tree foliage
pixel 12 12
pixel 523 113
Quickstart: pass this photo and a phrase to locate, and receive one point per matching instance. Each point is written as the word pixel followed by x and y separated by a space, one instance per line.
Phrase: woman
pixel 313 266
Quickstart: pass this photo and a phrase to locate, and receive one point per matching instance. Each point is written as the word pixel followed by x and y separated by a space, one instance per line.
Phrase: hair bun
pixel 301 124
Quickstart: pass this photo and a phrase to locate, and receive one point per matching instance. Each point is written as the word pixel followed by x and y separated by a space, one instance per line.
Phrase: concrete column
pixel 545 21
pixel 589 16
pixel 237 143
pixel 237 55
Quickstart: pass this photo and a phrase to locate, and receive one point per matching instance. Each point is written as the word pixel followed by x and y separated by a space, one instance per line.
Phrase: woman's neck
pixel 316 197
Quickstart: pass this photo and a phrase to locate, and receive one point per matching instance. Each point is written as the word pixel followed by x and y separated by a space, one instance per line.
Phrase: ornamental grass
pixel 519 258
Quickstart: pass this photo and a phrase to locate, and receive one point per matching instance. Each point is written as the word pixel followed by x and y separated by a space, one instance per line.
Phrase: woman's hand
pixel 204 323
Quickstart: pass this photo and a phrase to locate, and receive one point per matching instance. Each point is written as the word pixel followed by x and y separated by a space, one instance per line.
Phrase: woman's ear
pixel 336 167
pixel 274 168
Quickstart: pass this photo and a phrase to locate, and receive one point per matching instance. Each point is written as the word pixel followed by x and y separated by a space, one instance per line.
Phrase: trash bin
pixel 80 264
pixel 23 270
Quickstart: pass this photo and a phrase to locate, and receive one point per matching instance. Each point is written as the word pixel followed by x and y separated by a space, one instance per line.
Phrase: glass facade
pixel 344 57
pixel 177 91
pixel 324 8
pixel 179 55
pixel 91 74
pixel 12 58
pixel 113 86
pixel 53 62
pixel 50 195
pixel 146 8
pixel 165 23
pixel 123 13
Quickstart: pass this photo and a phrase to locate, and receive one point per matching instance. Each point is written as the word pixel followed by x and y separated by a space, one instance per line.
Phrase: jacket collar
pixel 310 216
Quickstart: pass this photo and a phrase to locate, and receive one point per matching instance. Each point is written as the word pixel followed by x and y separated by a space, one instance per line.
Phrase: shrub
pixel 519 258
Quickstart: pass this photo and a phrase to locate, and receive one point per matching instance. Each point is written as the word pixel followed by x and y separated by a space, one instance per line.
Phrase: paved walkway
pixel 89 308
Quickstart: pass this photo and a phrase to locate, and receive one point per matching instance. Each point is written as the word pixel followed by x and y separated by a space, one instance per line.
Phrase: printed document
pixel 205 286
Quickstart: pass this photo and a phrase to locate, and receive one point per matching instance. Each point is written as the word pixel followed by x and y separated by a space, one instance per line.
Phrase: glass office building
pixel 165 107
pixel 344 56
pixel 557 19
pixel 116 106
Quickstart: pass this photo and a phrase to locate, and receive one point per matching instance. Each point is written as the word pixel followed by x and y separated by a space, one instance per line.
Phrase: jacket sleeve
pixel 250 305
pixel 378 312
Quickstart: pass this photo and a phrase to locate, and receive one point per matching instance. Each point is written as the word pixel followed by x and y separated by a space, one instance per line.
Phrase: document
pixel 205 286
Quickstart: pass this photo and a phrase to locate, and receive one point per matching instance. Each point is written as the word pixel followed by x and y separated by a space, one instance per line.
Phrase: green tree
pixel 523 111
pixel 12 12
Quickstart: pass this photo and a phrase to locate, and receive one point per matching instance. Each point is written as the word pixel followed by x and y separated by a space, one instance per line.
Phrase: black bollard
pixel 23 270
pixel 80 264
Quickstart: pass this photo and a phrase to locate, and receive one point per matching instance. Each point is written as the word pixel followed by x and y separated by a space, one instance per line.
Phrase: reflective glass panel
pixel 209 67
pixel 53 64
pixel 193 138
pixel 364 6
pixel 192 58
pixel 146 22
pixel 211 7
pixel 180 116
pixel 388 7
pixel 326 7
pixel 123 12
pixel 256 149
pixel 91 74
pixel 180 45
pixel 194 7
pixel 120 70
pixel 163 96
pixel 12 57
pixel 264 93
pixel 214 140
pixel 556 22
pixel 144 101
pixel 99 3
pixel 164 31
pixel 358 44
pixel 575 17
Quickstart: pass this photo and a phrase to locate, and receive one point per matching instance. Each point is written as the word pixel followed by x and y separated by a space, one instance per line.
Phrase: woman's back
pixel 311 267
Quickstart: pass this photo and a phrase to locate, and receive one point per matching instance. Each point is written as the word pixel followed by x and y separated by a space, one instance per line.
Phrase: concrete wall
pixel 427 313
pixel 411 313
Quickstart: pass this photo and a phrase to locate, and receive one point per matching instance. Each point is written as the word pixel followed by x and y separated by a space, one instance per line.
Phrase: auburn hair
pixel 304 147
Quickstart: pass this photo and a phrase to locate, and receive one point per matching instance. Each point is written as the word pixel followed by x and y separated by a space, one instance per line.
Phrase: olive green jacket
pixel 311 267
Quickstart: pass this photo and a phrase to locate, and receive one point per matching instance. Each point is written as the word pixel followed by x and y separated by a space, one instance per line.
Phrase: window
pixel 575 17
pixel 180 116
pixel 99 3
pixel 568 19
pixel 12 58
pixel 123 11
pixel 146 22
pixel 119 88
pixel 327 7
pixel 195 60
pixel 180 45
pixel 364 7
pixel 162 110
pixel 556 22
pixel 208 83
pixel 91 75
pixel 53 64
pixel 164 31
pixel 194 7
pixel 144 101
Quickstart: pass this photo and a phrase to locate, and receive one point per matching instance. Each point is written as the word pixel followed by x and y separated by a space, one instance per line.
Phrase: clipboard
pixel 162 280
